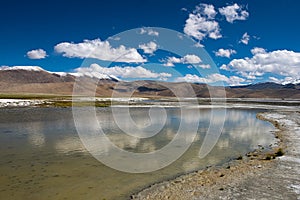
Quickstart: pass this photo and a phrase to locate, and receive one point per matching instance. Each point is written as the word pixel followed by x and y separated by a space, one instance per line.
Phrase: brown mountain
pixel 43 82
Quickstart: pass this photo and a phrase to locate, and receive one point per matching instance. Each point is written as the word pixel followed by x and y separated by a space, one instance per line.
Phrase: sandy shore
pixel 258 175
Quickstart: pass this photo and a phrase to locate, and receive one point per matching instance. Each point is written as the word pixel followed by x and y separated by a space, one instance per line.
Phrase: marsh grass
pixel 65 104
pixel 272 155
pixel 33 96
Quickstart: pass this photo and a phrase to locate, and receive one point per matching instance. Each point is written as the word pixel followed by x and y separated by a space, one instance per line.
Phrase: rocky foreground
pixel 258 175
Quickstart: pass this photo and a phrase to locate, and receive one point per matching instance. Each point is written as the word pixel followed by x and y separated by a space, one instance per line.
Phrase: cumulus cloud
pixel 285 80
pixel 187 59
pixel 168 64
pixel 201 23
pixel 191 58
pixel 205 66
pixel 28 68
pixel 212 78
pixel 234 12
pixel 257 50
pixel 98 49
pixel 225 52
pixel 149 31
pixel 171 60
pixel 207 10
pixel 280 62
pixel 95 70
pixel 192 78
pixel 245 38
pixel 149 47
pixel 37 54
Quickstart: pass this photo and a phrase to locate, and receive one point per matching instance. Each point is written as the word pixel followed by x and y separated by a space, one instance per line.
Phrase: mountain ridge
pixel 37 81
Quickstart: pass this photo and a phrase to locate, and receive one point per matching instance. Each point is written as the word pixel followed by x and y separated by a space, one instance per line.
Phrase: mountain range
pixel 35 80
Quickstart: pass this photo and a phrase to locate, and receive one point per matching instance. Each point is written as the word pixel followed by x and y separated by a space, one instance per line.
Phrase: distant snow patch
pixel 28 68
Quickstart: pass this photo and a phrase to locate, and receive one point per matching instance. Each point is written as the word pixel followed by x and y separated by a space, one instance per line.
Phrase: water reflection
pixel 241 126
pixel 69 145
pixel 250 130
pixel 35 133
pixel 42 145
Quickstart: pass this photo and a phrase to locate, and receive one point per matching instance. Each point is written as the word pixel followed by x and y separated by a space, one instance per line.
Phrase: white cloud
pixel 245 38
pixel 198 45
pixel 207 10
pixel 115 38
pixel 183 9
pixel 212 78
pixel 252 75
pixel 149 47
pixel 96 70
pixel 273 79
pixel 225 52
pixel 37 54
pixel 201 23
pixel 149 31
pixel 191 58
pixel 172 60
pixel 257 50
pixel 225 67
pixel 205 66
pixel 234 12
pixel 281 62
pixel 256 37
pixel 187 59
pixel 98 49
pixel 285 80
pixel 232 80
pixel 28 68
pixel 235 80
pixel 168 64
pixel 192 78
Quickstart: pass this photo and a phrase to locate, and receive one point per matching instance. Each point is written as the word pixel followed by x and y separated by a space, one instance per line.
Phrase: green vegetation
pixel 268 157
pixel 279 152
pixel 33 96
pixel 240 158
pixel 276 153
pixel 77 104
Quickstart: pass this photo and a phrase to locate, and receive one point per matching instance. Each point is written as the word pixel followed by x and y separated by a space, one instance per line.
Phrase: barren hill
pixel 43 82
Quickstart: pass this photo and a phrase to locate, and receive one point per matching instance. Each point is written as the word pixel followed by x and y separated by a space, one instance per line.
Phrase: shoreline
pixel 233 180
pixel 67 101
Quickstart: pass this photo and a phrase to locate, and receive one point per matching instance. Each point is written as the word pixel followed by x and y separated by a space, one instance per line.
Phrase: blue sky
pixel 272 26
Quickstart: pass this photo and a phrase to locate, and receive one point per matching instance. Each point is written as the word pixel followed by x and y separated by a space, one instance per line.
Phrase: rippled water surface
pixel 42 156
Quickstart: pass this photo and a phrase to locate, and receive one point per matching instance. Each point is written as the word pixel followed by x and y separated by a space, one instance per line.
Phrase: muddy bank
pixel 258 175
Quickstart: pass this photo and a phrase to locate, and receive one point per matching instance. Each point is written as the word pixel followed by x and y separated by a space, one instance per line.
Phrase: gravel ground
pixel 258 175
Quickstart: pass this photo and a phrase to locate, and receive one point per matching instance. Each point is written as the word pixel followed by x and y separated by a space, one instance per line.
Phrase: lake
pixel 42 156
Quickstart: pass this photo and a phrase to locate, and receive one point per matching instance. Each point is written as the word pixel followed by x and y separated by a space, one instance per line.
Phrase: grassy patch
pixel 276 153
pixel 279 152
pixel 240 158
pixel 77 104
pixel 33 96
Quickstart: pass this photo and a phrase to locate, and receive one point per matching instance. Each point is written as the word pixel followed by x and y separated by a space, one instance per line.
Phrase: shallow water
pixel 42 156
